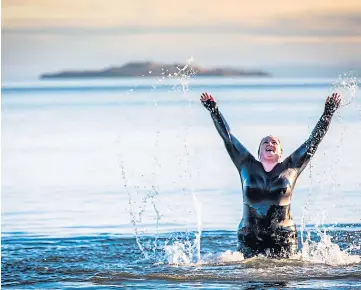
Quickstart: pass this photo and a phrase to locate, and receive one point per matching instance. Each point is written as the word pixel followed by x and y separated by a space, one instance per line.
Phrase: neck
pixel 268 165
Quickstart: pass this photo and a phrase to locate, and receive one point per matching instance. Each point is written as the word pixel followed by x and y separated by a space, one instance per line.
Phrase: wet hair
pixel 259 147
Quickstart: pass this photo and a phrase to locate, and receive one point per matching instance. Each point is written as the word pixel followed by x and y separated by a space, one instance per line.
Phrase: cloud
pixel 341 24
pixel 325 36
pixel 305 25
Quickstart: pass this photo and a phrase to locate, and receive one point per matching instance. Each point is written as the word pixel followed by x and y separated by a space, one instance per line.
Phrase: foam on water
pixel 183 254
pixel 323 251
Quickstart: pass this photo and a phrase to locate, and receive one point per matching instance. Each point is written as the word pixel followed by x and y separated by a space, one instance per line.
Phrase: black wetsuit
pixel 260 231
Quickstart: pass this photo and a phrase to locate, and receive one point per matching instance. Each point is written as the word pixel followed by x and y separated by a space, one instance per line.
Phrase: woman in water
pixel 267 226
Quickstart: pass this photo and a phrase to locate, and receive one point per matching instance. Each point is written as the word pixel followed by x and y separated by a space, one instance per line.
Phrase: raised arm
pixel 236 150
pixel 300 158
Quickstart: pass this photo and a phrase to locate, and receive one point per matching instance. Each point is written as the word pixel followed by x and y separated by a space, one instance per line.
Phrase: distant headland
pixel 139 69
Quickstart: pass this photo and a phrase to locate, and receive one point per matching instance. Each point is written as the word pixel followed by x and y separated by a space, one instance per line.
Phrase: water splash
pixel 180 253
pixel 321 249
pixel 184 75
pixel 181 77
pixel 198 235
pixel 134 220
pixel 318 249
pixel 325 251
pixel 151 246
pixel 346 85
pixel 187 251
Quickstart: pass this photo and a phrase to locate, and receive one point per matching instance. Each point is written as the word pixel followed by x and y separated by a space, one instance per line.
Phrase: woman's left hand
pixel 333 102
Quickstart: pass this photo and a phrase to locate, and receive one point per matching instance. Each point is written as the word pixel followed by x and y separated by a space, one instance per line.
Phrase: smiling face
pixel 270 149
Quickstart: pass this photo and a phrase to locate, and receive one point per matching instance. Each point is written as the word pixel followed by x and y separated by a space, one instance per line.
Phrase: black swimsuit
pixel 259 231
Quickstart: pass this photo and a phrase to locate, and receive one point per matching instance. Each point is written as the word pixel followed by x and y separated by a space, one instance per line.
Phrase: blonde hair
pixel 259 147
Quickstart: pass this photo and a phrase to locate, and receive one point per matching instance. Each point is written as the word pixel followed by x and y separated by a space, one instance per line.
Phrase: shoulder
pixel 250 161
pixel 287 162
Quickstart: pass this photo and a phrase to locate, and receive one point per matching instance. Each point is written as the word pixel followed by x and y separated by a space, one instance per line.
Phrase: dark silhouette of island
pixel 138 69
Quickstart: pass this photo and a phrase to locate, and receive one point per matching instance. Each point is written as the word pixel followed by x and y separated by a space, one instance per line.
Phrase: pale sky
pixel 41 35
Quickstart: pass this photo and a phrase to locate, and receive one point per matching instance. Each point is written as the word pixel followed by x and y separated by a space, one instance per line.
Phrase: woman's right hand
pixel 209 102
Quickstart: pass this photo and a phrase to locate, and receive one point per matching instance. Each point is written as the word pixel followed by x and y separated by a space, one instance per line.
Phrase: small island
pixel 141 69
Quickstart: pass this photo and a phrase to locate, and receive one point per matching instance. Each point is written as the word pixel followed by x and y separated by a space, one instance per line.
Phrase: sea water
pixel 126 183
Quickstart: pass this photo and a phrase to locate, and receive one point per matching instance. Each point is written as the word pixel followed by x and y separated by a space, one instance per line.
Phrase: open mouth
pixel 269 150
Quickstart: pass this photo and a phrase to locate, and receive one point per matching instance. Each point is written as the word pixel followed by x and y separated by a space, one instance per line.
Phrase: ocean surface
pixel 125 183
